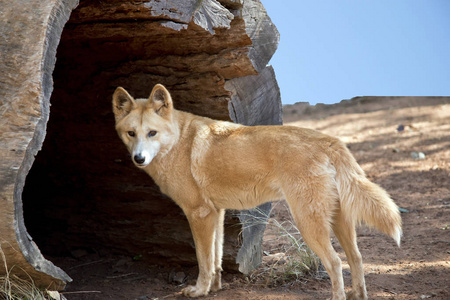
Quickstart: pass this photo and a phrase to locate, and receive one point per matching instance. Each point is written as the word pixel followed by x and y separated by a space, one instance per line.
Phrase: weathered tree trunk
pixel 30 32
pixel 81 190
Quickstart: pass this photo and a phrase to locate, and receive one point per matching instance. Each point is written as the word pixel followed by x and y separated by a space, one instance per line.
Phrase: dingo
pixel 207 166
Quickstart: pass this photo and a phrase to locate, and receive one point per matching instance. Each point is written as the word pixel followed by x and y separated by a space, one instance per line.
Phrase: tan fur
pixel 207 166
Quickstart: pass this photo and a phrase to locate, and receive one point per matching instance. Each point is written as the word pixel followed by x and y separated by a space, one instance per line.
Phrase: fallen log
pixel 66 182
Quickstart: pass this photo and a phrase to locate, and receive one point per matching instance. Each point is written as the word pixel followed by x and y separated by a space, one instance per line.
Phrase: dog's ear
pixel 123 103
pixel 161 100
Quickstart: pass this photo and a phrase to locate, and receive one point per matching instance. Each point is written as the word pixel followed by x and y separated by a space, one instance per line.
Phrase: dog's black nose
pixel 139 159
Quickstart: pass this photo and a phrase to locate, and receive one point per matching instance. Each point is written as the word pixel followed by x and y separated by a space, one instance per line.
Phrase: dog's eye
pixel 131 133
pixel 152 133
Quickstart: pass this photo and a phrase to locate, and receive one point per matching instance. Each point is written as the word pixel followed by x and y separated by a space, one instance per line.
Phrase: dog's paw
pixel 194 291
pixel 217 282
pixel 356 296
pixel 216 286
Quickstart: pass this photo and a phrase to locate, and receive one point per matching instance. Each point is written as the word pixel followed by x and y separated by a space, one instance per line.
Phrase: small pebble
pixel 177 277
pixel 403 210
pixel 418 155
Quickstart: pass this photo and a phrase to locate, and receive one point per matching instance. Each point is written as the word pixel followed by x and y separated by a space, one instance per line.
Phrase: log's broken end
pixel 30 34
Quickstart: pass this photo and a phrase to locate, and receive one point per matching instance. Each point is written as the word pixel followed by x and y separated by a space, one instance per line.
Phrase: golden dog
pixel 207 166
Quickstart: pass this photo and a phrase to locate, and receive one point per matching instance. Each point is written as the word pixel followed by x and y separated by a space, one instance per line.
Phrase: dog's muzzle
pixel 142 157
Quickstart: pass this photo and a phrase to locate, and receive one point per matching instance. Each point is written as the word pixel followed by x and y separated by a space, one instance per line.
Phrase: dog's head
pixel 145 125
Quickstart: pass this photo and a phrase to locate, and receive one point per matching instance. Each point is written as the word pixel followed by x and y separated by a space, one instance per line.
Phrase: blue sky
pixel 332 50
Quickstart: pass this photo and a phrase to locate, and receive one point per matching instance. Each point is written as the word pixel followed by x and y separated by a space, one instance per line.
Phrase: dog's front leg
pixel 203 221
pixel 217 280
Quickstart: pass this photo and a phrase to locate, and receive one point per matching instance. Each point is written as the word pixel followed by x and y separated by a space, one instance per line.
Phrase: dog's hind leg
pixel 312 215
pixel 346 234
pixel 203 221
pixel 217 279
pixel 316 235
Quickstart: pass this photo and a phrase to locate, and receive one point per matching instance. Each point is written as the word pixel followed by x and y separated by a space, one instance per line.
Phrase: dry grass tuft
pixel 15 288
pixel 291 261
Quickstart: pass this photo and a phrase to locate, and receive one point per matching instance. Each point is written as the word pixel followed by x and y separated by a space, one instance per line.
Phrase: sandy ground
pixel 420 269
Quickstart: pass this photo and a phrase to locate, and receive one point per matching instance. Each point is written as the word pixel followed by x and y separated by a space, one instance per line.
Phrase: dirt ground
pixel 382 134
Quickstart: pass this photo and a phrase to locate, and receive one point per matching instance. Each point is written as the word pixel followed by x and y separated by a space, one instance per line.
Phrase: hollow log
pixel 66 180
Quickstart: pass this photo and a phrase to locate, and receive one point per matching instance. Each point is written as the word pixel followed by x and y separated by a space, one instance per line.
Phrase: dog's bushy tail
pixel 363 200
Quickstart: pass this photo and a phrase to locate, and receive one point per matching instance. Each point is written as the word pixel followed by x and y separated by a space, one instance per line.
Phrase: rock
pixel 276 258
pixel 55 295
pixel 177 277
pixel 418 155
pixel 123 264
pixel 81 190
pixel 403 210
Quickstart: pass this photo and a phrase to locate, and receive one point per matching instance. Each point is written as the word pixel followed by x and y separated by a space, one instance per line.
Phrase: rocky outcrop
pixel 81 190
